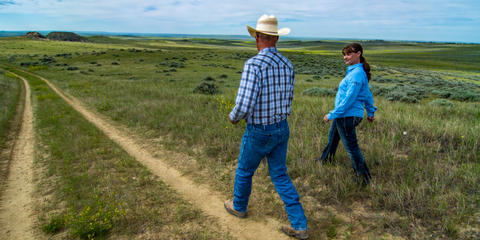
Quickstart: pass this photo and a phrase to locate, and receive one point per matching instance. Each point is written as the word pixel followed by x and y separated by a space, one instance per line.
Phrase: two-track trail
pixel 201 196
pixel 16 209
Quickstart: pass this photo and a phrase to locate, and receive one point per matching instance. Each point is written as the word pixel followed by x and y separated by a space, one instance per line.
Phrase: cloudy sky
pixel 424 20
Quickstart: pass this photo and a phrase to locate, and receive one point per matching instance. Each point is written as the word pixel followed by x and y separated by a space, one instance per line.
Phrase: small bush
pixel 72 68
pixel 441 102
pixel 47 60
pixel 54 225
pixel 208 88
pixel 319 92
pixel 466 95
pixel 95 220
pixel 115 63
pixel 209 79
pixel 400 93
pixel 27 64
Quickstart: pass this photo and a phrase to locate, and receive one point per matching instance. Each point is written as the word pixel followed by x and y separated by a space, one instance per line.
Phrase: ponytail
pixel 366 67
pixel 356 47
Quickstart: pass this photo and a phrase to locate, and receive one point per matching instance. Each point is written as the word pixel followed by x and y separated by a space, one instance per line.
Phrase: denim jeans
pixel 270 141
pixel 344 129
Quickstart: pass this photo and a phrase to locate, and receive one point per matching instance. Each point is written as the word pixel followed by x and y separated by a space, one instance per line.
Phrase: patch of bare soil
pixel 16 221
pixel 200 195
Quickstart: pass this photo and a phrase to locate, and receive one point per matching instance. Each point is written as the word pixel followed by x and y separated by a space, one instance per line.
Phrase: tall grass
pixel 424 158
pixel 9 102
pixel 9 97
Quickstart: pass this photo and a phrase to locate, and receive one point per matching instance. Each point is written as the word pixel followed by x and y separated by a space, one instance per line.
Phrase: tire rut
pixel 201 196
pixel 16 212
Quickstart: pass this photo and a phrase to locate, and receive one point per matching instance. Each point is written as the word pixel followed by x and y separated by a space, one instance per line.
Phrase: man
pixel 264 99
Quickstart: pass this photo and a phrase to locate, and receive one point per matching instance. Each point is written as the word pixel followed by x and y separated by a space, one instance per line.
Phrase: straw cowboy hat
pixel 268 25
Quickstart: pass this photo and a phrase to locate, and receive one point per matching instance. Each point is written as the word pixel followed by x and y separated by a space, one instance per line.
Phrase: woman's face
pixel 352 58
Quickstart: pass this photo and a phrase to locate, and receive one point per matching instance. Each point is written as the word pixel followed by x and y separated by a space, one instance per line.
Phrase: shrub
pixel 208 88
pixel 400 92
pixel 401 97
pixel 457 93
pixel 319 92
pixel 55 224
pixel 465 95
pixel 209 79
pixel 47 60
pixel 27 64
pixel 441 102
pixel 72 68
pixel 96 219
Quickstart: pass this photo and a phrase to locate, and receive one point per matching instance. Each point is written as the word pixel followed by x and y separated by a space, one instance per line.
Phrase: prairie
pixel 423 149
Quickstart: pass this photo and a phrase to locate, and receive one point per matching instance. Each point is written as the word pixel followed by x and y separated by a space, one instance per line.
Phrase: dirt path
pixel 201 196
pixel 16 221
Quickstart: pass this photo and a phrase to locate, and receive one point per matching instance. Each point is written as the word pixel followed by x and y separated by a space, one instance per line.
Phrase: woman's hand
pixel 325 118
pixel 371 119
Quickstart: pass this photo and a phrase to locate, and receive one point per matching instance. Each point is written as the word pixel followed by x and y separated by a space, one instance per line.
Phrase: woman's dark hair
pixel 354 48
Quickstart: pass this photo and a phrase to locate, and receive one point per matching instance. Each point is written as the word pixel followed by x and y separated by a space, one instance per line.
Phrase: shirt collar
pixel 269 49
pixel 351 67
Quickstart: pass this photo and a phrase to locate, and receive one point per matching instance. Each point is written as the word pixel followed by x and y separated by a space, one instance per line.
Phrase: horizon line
pixel 236 36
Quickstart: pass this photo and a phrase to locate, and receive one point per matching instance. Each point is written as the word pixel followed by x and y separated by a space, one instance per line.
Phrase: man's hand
pixel 371 119
pixel 325 118
pixel 233 122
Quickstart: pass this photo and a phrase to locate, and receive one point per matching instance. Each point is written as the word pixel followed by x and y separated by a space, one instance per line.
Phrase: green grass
pixel 9 99
pixel 10 111
pixel 427 176
pixel 93 189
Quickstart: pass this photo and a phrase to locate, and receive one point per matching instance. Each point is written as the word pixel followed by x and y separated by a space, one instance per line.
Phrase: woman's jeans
pixel 270 141
pixel 344 129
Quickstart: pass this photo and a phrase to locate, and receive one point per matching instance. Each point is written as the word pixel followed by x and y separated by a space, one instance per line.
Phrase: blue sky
pixel 423 20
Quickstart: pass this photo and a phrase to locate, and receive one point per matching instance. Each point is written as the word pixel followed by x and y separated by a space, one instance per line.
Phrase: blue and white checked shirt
pixel 266 89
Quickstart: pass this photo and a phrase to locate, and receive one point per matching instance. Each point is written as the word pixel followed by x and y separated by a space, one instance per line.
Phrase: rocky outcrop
pixel 66 36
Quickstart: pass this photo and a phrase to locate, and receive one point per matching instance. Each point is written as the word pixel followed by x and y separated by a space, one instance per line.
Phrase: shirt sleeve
pixel 354 86
pixel 369 104
pixel 247 93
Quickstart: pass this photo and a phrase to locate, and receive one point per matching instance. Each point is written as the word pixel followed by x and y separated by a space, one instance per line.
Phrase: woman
pixel 353 95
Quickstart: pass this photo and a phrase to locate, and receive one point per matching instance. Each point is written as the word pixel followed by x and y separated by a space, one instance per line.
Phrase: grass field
pixel 9 102
pixel 423 149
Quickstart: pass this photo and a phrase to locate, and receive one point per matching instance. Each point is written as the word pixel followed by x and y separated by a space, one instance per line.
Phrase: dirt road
pixel 16 221
pixel 201 196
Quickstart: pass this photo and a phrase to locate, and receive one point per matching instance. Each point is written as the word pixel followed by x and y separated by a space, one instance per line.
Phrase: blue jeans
pixel 270 141
pixel 344 129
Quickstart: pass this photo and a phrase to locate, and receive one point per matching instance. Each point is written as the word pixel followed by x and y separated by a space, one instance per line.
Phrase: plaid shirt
pixel 266 89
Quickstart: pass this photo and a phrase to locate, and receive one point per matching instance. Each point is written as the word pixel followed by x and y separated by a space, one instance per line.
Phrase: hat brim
pixel 281 32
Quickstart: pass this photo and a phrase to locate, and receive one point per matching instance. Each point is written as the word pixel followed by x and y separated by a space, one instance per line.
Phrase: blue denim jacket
pixel 353 95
